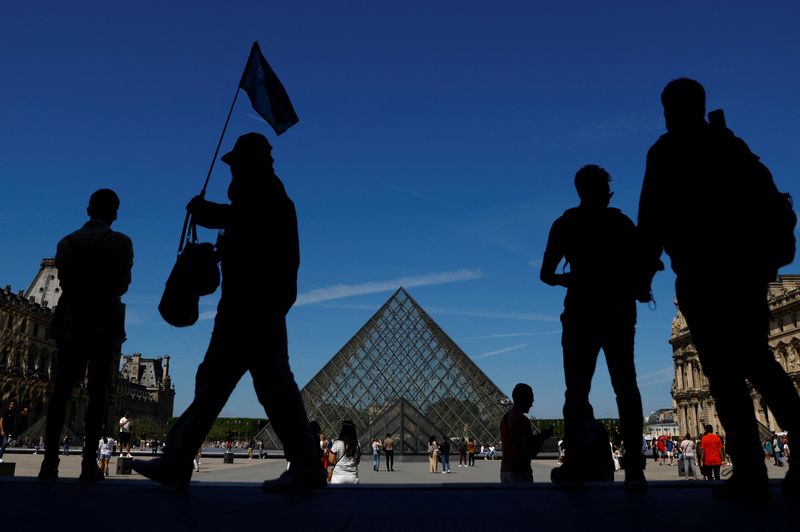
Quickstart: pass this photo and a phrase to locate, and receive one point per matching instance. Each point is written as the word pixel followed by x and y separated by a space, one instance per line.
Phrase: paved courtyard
pixel 213 469
pixel 226 497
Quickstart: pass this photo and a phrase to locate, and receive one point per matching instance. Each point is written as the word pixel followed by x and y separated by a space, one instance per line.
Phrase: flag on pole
pixel 266 92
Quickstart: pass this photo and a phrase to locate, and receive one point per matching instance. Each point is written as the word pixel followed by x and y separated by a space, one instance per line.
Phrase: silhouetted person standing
pixel 520 444
pixel 705 201
pixel 94 271
pixel 260 235
pixel 600 246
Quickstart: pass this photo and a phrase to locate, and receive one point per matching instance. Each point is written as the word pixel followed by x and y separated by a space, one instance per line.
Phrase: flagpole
pixel 210 168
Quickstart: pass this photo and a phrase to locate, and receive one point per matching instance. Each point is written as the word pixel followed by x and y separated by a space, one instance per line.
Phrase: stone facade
pixel 690 394
pixel 145 391
pixel 27 355
pixel 28 361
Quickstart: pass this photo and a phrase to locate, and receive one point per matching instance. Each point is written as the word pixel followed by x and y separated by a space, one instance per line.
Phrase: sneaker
pixel 566 477
pixel 91 473
pixel 634 480
pixel 743 490
pixel 297 480
pixel 1 460
pixel 790 487
pixel 129 455
pixel 165 471
pixel 49 470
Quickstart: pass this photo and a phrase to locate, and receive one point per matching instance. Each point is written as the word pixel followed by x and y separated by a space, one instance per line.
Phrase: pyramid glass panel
pixel 401 374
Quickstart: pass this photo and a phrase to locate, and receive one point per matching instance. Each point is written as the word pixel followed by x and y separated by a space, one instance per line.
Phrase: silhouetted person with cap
pixel 260 235
pixel 520 444
pixel 94 271
pixel 605 279
pixel 703 201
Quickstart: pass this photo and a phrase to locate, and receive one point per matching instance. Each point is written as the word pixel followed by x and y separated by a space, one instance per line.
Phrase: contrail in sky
pixel 341 291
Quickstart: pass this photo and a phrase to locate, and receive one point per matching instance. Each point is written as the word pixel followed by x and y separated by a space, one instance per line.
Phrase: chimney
pixel 166 367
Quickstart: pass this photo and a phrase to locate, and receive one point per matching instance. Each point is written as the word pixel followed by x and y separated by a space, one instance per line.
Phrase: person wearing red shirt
pixel 713 450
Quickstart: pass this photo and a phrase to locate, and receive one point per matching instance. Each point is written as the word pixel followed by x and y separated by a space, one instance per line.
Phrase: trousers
pixel 242 342
pixel 729 322
pixel 583 338
pixel 91 357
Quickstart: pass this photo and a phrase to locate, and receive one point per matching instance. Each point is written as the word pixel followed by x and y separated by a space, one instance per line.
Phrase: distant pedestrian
pixel 67 442
pixel 444 454
pixel 388 449
pixel 376 454
pixel 347 455
pixel 688 450
pixel 713 450
pixel 470 452
pixel 8 425
pixel 104 449
pixel 462 452
pixel 433 455
pixel 125 434
pixel 196 462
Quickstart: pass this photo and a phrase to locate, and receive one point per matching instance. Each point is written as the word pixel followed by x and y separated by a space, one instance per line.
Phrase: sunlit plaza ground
pixel 212 469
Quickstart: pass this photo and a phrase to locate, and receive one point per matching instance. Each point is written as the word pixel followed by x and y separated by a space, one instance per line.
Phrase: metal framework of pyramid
pixel 402 374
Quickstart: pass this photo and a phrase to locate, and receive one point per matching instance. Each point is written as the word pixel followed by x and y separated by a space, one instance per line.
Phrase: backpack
pixel 773 208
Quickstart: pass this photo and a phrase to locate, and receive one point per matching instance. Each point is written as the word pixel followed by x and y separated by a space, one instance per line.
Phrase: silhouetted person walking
pixel 260 235
pixel 600 246
pixel 94 271
pixel 706 201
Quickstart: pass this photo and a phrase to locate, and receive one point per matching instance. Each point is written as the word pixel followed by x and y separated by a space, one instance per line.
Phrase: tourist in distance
pixel 105 448
pixel 605 278
pixel 433 455
pixel 470 452
pixel 125 434
pixel 712 450
pixel 520 444
pixel 347 455
pixel 376 454
pixel 688 450
pixel 462 452
pixel 8 425
pixel 388 449
pixel 444 454
pixel 94 271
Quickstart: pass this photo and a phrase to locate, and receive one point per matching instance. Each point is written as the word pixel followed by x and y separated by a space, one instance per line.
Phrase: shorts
pixel 124 438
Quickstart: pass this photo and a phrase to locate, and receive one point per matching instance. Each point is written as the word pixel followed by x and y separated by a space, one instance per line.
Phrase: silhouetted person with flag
pixel 708 201
pixel 600 246
pixel 260 238
pixel 94 271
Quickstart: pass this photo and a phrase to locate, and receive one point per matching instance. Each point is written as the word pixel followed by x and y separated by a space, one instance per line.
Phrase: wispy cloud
pixel 517 335
pixel 622 125
pixel 656 377
pixel 536 263
pixel 425 197
pixel 207 315
pixel 501 351
pixel 494 315
pixel 341 291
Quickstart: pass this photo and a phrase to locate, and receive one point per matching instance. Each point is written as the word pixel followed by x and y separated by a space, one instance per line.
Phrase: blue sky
pixel 437 142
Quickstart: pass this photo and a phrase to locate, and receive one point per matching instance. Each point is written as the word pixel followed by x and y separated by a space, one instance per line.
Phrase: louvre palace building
pixel 28 363
pixel 690 393
pixel 401 374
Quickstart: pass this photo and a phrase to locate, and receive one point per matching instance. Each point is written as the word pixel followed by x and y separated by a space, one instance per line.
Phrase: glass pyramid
pixel 402 375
